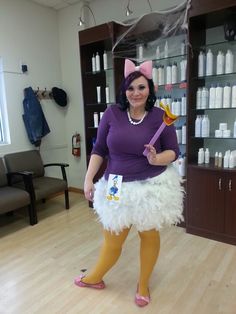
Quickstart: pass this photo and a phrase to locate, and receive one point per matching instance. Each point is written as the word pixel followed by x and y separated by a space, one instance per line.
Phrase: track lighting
pixel 129 11
pixel 81 19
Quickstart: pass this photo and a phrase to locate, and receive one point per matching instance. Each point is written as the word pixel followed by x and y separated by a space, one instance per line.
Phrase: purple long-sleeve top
pixel 123 143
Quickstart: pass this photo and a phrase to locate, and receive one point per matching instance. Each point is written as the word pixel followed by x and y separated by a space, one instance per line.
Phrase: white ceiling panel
pixel 56 4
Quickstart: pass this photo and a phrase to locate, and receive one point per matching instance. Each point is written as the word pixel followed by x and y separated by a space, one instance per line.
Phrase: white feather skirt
pixel 148 204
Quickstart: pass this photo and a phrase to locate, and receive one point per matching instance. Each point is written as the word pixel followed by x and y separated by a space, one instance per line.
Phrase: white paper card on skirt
pixel 114 187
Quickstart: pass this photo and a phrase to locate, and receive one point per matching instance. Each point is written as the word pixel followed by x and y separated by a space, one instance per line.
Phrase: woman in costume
pixel 137 189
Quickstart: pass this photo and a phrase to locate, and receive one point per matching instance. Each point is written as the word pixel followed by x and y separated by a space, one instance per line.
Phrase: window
pixel 4 130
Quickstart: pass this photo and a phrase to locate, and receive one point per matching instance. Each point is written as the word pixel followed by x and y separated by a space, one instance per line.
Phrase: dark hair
pixel 122 99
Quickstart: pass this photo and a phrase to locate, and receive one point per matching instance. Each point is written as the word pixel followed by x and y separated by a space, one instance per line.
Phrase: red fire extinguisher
pixel 76 145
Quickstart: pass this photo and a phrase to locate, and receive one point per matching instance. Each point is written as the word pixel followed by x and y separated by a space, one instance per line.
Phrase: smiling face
pixel 137 93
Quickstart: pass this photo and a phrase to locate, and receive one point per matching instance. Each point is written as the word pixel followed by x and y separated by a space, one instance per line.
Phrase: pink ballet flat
pixel 141 300
pixel 78 281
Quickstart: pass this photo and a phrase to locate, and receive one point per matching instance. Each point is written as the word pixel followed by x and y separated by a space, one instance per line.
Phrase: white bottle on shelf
pixel 140 52
pixel 166 50
pixel 158 55
pixel 200 158
pixel 231 160
pixel 205 98
pixel 95 119
pixel 229 62
pixel 183 48
pixel 161 75
pixel 233 100
pixel 97 59
pixel 219 96
pixel 178 107
pixel 201 64
pixel 183 106
pixel 226 160
pixel 235 128
pixel 199 98
pixel 220 63
pixel 155 75
pixel 168 74
pixel 183 134
pixel 105 63
pixel 212 96
pixel 216 159
pixel 226 96
pixel 107 93
pixel 198 124
pixel 205 126
pixel 174 73
pixel 183 70
pixel 209 62
pixel 93 63
pixel 207 156
pixel 220 160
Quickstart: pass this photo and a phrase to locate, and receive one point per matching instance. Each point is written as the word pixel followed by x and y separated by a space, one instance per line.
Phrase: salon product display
pixel 219 63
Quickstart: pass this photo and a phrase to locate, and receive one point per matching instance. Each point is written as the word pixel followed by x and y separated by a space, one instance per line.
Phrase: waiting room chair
pixel 12 198
pixel 41 186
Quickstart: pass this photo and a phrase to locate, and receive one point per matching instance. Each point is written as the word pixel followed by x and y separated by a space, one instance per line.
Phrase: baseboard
pixel 76 190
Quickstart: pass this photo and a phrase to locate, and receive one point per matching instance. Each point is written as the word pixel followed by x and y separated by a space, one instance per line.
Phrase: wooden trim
pixel 76 190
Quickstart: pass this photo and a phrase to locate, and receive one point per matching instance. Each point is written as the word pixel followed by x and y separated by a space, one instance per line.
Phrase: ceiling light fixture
pixel 129 11
pixel 81 18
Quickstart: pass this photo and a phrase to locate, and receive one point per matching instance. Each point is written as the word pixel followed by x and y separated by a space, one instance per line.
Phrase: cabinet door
pixel 230 204
pixel 205 206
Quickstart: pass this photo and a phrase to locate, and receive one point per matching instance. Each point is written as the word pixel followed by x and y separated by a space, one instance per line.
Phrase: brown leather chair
pixel 12 198
pixel 40 186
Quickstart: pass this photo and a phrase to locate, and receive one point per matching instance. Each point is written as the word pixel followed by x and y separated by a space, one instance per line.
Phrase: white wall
pixel 29 33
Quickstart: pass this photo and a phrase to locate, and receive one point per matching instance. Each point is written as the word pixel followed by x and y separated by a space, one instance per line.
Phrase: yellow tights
pixel 111 250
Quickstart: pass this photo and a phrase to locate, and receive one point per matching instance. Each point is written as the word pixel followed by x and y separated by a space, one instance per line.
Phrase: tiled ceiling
pixel 56 4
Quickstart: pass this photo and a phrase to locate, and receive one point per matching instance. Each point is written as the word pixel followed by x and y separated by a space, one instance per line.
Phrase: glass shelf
pixel 97 104
pixel 214 109
pixel 217 44
pixel 214 76
pixel 98 72
pixel 179 56
pixel 213 138
pixel 169 87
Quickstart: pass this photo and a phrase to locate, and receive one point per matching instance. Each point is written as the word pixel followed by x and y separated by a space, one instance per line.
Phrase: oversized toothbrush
pixel 168 119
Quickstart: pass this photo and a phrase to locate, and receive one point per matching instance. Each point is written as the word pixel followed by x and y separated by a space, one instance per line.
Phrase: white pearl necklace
pixel 136 123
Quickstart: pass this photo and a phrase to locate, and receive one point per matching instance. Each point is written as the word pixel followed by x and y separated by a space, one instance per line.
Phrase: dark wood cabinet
pixel 211 203
pixel 211 190
pixel 92 41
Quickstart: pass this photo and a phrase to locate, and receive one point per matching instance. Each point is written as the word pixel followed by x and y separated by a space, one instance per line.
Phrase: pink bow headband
pixel 145 68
